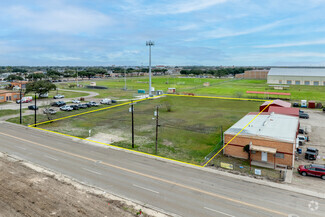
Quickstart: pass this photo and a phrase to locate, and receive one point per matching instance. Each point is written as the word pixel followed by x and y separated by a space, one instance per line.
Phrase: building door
pixel 264 156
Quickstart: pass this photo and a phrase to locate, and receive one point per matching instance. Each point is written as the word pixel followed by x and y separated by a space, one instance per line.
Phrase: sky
pixel 185 32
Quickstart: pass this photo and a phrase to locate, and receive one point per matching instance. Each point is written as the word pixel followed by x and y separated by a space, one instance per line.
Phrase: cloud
pixel 294 44
pixel 223 33
pixel 67 19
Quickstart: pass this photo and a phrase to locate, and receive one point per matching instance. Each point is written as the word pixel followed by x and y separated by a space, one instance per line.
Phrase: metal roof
pixel 278 102
pixel 298 72
pixel 271 126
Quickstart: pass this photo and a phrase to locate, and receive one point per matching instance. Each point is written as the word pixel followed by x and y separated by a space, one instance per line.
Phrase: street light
pixel 150 43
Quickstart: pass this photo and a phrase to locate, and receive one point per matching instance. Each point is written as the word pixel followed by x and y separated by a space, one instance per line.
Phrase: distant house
pixel 7 95
pixel 275 103
pixel 19 84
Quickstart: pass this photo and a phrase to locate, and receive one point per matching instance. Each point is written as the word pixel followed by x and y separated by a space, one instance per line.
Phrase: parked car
pixel 44 95
pixel 301 139
pixel 324 109
pixel 58 103
pixel 74 107
pixel 33 107
pixel 106 101
pixel 303 115
pixel 76 101
pixel 312 170
pixel 66 108
pixel 49 111
pixel 301 111
pixel 82 106
pixel 311 153
pixel 88 104
pixel 59 96
pixel 295 104
pixel 301 131
pixel 93 104
pixel 114 101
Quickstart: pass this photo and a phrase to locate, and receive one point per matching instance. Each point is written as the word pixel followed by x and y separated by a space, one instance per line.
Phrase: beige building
pixel 297 76
pixel 253 74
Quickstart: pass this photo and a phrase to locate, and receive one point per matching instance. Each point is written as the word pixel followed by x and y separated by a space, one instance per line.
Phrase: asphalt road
pixel 170 187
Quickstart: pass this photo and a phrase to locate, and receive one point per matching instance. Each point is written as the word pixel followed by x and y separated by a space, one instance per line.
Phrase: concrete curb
pixel 210 170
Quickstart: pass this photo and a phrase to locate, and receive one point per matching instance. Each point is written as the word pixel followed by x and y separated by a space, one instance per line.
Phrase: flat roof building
pixel 297 76
pixel 271 137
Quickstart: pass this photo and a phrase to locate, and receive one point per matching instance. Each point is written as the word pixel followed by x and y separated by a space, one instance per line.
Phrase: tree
pixel 40 87
pixel 246 149
pixel 14 77
pixel 36 77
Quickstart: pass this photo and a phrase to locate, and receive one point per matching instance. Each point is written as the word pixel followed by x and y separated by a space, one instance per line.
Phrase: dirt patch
pixel 107 138
pixel 26 192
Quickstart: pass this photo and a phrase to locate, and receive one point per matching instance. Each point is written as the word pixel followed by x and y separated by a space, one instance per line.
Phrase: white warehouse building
pixel 297 76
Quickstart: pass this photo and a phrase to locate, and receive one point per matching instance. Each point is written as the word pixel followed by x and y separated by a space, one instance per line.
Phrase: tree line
pixel 216 72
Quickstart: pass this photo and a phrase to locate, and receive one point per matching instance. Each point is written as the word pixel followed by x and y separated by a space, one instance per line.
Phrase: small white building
pixel 297 76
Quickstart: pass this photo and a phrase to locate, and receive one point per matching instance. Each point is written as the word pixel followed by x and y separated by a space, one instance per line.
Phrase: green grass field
pixel 218 87
pixel 189 132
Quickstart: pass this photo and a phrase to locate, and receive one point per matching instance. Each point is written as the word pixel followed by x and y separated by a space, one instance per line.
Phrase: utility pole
pixel 77 78
pixel 157 125
pixel 35 111
pixel 150 43
pixel 124 78
pixel 132 124
pixel 20 107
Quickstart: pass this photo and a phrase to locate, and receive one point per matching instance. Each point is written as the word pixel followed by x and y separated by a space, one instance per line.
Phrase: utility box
pixel 311 104
pixel 171 90
pixel 303 103
pixel 159 92
pixel 141 91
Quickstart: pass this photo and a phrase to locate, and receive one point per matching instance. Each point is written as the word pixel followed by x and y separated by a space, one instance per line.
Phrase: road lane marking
pixel 92 171
pixel 146 189
pixel 50 157
pixel 213 210
pixel 21 148
pixel 152 177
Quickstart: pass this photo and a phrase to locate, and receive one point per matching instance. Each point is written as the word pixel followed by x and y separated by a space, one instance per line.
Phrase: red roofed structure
pixel 275 103
pixel 285 111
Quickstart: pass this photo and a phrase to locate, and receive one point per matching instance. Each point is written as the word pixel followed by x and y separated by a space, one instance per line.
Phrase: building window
pixel 316 83
pixel 280 82
pixel 297 82
pixel 15 96
pixel 279 155
pixel 289 81
pixel 307 82
pixel 2 97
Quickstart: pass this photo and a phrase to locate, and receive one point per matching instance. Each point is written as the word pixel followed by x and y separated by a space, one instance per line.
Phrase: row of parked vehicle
pixel 303 115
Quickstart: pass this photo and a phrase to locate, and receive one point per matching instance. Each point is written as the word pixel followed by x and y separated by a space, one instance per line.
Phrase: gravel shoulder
pixel 29 192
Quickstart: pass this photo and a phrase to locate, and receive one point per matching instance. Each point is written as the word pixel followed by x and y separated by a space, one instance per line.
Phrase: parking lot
pixel 315 127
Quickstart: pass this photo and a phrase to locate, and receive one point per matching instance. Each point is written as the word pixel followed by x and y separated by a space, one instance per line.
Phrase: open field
pixel 188 132
pixel 218 87
pixel 6 112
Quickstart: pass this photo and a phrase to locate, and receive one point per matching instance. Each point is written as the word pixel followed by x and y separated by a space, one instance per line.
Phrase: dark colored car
pixel 311 154
pixel 88 104
pixel 301 131
pixel 114 101
pixel 295 104
pixel 58 103
pixel 303 115
pixel 324 109
pixel 312 170
pixel 74 107
pixel 32 107
pixel 49 111
pixel 301 111
pixel 83 106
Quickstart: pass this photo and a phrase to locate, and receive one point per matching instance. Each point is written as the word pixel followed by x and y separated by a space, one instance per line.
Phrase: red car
pixel 312 170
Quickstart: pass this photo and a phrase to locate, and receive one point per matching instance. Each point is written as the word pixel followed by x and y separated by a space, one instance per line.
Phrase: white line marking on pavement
pixel 218 211
pixel 146 189
pixel 92 171
pixel 48 156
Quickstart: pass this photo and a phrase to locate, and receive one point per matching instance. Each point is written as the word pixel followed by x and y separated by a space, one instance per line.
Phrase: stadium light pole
pixel 150 43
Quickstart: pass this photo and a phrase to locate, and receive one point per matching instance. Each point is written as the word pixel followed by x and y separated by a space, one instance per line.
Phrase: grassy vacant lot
pixel 188 132
pixel 6 112
pixel 218 87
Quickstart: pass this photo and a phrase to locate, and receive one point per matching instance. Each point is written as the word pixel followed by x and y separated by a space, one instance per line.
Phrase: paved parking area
pixel 316 126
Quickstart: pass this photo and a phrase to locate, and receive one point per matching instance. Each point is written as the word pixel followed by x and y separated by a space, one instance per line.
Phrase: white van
pixel 106 101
